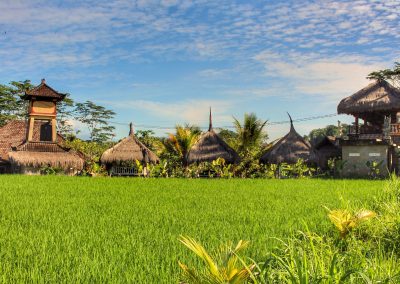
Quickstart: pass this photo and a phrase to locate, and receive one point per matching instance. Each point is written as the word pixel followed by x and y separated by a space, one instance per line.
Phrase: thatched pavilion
pixel 289 149
pixel 372 104
pixel 378 105
pixel 210 147
pixel 127 151
pixel 28 146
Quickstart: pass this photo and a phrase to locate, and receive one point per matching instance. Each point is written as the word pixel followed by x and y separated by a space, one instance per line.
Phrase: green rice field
pixel 68 229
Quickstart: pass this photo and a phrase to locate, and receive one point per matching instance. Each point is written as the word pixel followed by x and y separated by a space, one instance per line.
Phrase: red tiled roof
pixel 14 134
pixel 44 91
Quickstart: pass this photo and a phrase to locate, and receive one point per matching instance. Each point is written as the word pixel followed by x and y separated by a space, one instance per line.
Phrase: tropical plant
pixel 225 266
pixel 345 221
pixel 374 168
pixel 250 134
pixel 182 141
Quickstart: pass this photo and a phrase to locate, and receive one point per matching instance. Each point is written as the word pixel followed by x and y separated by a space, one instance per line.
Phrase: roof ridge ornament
pixel 210 127
pixel 131 129
pixel 291 121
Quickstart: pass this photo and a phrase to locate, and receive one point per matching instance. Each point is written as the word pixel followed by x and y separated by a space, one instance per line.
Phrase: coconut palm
pixel 184 138
pixel 251 133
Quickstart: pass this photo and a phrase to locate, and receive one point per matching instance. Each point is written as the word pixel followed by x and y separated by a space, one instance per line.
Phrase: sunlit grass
pixel 68 229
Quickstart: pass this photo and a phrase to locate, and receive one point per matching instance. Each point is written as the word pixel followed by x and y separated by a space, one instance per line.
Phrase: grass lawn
pixel 70 229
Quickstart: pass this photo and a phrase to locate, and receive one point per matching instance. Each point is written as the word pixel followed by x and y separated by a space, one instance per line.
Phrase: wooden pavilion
pixel 289 149
pixel 28 146
pixel 120 158
pixel 210 147
pixel 375 139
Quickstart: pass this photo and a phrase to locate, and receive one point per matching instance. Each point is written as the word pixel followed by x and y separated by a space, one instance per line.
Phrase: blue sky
pixel 159 63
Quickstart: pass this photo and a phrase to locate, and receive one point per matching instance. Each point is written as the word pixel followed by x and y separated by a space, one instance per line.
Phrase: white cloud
pixel 330 78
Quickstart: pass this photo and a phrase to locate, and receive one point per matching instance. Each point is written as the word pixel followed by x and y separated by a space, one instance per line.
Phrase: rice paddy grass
pixel 68 229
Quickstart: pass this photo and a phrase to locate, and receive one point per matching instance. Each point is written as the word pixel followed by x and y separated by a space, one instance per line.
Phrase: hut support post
pixel 53 130
pixel 357 124
pixel 30 130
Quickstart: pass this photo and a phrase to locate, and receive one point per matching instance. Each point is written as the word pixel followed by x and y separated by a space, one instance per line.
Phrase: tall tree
pixel 96 118
pixel 317 134
pixel 250 134
pixel 391 75
pixel 65 112
pixel 11 105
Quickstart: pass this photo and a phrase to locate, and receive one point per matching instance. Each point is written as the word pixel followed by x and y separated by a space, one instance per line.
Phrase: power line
pixel 147 126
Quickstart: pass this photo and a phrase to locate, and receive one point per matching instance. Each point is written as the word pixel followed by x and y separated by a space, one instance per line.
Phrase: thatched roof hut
pixel 372 102
pixel 289 149
pixel 210 147
pixel 129 149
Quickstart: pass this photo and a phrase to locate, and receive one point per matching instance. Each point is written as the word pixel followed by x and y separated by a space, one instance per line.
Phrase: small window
pixel 45 132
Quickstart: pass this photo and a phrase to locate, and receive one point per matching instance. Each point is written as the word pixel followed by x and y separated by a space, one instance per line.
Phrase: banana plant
pixel 225 267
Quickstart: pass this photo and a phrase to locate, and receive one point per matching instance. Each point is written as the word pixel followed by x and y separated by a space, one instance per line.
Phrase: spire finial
pixel 291 121
pixel 43 81
pixel 131 130
pixel 210 121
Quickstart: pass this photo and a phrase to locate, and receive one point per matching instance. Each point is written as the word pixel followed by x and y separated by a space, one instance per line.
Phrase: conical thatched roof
pixel 129 149
pixel 377 96
pixel 210 147
pixel 289 149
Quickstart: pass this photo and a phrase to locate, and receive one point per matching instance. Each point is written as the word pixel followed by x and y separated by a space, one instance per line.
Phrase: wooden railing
pixel 369 132
pixel 124 171
pixel 395 129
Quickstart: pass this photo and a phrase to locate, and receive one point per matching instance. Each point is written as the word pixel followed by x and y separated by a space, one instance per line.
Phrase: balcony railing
pixel 372 132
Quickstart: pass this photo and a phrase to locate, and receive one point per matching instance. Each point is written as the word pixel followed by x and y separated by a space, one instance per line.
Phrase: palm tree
pixel 182 141
pixel 251 133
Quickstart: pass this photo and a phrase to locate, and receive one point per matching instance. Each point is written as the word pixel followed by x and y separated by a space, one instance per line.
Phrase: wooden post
pixel 30 129
pixel 357 125
pixel 53 130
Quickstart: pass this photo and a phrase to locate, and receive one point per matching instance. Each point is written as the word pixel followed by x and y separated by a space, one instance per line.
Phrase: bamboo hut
pixel 327 148
pixel 375 139
pixel 127 151
pixel 210 147
pixel 28 146
pixel 289 149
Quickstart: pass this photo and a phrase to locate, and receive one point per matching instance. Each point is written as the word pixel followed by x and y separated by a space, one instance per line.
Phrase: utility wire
pixel 147 126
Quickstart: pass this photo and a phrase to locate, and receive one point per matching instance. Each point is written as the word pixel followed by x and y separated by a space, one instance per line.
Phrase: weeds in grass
pixel 361 254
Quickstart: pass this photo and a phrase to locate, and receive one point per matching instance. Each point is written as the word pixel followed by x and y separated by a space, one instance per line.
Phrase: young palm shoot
pixel 345 222
pixel 224 267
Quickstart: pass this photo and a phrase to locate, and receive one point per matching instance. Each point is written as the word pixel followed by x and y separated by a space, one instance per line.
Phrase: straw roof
pixel 65 160
pixel 43 91
pixel 289 149
pixel 377 96
pixel 210 147
pixel 129 149
pixel 14 134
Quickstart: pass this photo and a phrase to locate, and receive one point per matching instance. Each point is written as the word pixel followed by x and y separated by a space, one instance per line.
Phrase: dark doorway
pixel 45 132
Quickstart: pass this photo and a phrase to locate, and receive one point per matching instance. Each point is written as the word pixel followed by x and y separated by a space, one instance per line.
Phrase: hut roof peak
pixel 210 126
pixel 131 129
